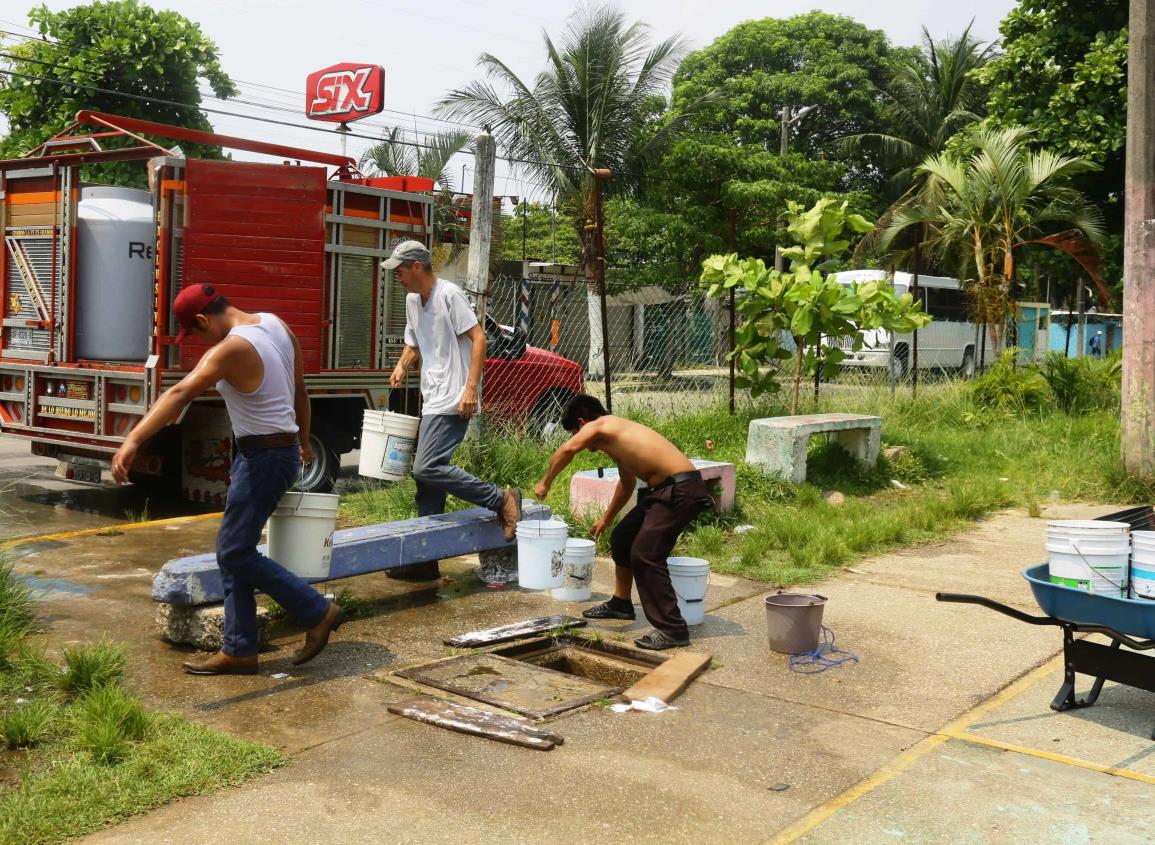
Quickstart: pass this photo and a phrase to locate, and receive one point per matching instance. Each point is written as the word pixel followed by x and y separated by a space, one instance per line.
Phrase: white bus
pixel 947 343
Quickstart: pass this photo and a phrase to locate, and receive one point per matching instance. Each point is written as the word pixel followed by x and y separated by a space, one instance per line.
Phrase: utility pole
pixel 789 118
pixel 481 231
pixel 600 259
pixel 733 314
pixel 1080 306
pixel 1138 411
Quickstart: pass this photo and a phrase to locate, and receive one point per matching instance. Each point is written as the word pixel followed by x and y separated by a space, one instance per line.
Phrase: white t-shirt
pixel 436 330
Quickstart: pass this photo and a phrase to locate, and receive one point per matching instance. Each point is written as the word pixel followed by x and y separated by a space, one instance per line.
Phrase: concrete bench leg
pixel 862 443
pixel 498 566
pixel 799 449
pixel 203 625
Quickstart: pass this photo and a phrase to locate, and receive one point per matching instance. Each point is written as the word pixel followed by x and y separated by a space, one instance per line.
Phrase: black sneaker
pixel 609 610
pixel 658 641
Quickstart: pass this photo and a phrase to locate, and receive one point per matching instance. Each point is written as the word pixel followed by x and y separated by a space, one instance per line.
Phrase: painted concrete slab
pixel 965 794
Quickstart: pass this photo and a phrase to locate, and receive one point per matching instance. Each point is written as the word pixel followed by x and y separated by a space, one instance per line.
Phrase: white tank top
pixel 269 408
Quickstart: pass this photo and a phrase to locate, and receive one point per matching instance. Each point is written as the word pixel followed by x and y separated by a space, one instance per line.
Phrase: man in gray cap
pixel 442 333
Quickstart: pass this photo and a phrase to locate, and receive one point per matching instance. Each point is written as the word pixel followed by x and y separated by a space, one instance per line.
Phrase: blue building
pixel 1110 325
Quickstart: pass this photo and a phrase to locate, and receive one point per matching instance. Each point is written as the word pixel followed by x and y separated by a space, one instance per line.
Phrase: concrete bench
pixel 591 490
pixel 777 445
pixel 357 551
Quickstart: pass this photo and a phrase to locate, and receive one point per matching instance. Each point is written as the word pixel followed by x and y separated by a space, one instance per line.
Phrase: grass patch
pixel 91 754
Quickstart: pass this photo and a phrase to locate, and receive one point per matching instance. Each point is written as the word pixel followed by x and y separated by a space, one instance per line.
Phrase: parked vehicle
pixel 88 275
pixel 952 341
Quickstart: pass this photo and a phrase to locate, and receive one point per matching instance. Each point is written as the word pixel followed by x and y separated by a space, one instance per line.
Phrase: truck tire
pixel 968 363
pixel 900 363
pixel 320 476
pixel 545 417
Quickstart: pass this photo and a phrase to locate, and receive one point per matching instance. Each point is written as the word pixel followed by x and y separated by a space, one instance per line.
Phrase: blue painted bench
pixel 192 581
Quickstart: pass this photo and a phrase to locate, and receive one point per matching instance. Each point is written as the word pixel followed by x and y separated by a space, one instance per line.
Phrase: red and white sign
pixel 345 92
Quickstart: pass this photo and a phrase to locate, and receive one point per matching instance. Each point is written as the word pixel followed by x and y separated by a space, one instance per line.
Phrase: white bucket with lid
pixel 541 553
pixel 691 578
pixel 577 571
pixel 388 441
pixel 1143 564
pixel 301 533
pixel 1090 555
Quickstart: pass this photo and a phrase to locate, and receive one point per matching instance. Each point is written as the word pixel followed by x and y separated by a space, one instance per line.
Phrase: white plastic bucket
pixel 1103 573
pixel 388 441
pixel 577 571
pixel 1143 565
pixel 1094 526
pixel 691 578
pixel 541 553
pixel 301 533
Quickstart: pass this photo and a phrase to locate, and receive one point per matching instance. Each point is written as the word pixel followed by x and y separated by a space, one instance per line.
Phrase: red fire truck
pixel 88 275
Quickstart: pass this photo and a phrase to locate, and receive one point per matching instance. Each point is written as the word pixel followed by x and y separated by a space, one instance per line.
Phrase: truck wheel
pixel 321 474
pixel 900 363
pixel 545 418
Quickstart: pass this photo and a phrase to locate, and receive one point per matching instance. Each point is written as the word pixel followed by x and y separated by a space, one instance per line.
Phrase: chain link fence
pixel 667 348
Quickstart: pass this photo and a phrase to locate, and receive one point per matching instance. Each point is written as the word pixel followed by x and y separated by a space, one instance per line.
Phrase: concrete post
pixel 481 237
pixel 1138 411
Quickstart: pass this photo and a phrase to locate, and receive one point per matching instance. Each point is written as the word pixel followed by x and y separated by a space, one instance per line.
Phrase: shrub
pixel 92 666
pixel 28 723
pixel 17 616
pixel 109 720
pixel 1011 387
pixel 1083 384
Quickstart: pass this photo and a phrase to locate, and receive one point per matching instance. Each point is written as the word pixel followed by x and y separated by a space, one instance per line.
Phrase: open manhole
pixel 540 678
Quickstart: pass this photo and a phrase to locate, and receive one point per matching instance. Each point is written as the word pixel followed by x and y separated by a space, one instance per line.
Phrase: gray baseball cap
pixel 408 251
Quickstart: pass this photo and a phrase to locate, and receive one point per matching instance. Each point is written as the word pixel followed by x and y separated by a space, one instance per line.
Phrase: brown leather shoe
pixel 222 664
pixel 510 514
pixel 317 637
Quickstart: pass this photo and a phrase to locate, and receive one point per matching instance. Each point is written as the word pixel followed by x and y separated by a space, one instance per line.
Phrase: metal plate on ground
pixel 512 685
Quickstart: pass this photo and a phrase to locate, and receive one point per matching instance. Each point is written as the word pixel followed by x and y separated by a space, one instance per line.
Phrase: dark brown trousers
pixel 645 538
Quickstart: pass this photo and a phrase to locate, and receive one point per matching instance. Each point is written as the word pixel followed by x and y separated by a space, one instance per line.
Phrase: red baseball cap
pixel 189 302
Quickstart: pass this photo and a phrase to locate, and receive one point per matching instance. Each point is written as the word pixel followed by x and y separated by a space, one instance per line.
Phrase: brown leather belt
pixel 267 441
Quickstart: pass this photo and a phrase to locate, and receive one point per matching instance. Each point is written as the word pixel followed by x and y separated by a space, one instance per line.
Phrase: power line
pixel 96 51
pixel 271 121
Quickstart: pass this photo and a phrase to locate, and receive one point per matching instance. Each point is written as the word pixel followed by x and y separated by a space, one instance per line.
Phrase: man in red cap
pixel 255 365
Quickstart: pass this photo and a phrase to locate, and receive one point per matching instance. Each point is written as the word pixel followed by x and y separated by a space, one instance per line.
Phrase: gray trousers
pixel 437 439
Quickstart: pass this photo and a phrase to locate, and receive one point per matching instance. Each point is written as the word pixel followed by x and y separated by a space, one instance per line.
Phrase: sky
pixel 427 49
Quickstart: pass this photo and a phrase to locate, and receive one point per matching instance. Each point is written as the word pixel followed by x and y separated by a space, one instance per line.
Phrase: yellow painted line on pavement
pixel 125 526
pixel 903 761
pixel 965 736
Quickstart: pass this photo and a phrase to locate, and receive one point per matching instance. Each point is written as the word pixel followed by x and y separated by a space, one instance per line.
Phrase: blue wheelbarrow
pixel 1129 622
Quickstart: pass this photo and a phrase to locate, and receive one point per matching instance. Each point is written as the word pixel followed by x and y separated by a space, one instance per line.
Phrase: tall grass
pixel 92 666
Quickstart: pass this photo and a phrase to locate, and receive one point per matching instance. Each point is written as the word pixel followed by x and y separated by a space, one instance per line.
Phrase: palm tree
pixel 430 159
pixel 591 108
pixel 932 96
pixel 981 208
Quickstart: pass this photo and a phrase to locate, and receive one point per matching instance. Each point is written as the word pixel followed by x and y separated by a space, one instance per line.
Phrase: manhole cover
pixel 524 688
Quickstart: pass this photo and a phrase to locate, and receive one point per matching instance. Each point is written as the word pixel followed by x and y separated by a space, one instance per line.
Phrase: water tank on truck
pixel 115 244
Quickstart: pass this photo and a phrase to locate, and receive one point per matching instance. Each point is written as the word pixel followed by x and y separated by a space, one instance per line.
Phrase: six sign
pixel 345 92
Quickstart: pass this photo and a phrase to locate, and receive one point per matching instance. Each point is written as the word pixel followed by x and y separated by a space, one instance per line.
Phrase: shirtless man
pixel 642 542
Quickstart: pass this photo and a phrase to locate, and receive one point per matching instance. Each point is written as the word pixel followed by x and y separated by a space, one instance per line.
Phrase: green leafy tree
pixel 981 208
pixel 547 235
pixel 592 107
pixel 124 47
pixel 1063 74
pixel 816 59
pixel 804 303
pixel 933 95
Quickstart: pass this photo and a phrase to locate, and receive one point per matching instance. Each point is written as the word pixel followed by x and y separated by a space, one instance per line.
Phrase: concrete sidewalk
pixel 753 753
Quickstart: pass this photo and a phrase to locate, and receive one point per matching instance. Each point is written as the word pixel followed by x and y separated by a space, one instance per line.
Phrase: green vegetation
pixel 88 752
pixel 123 47
pixel 968 457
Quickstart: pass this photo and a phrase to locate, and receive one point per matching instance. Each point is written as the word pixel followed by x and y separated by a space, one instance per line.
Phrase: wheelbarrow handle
pixel 1006 610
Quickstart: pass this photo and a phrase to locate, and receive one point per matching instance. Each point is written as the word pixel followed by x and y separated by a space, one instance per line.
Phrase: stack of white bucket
pixel 1090 555
pixel 1143 564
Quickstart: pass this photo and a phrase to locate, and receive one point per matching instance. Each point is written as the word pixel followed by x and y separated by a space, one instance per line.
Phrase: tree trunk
pixel 799 354
pixel 596 367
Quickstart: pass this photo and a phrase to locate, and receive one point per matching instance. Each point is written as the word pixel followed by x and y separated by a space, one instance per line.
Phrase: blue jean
pixel 438 437
pixel 259 478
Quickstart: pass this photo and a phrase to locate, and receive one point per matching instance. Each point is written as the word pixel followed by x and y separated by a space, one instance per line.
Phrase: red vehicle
pixel 88 275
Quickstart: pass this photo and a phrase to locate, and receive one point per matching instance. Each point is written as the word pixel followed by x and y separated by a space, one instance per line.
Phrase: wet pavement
pixel 922 741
